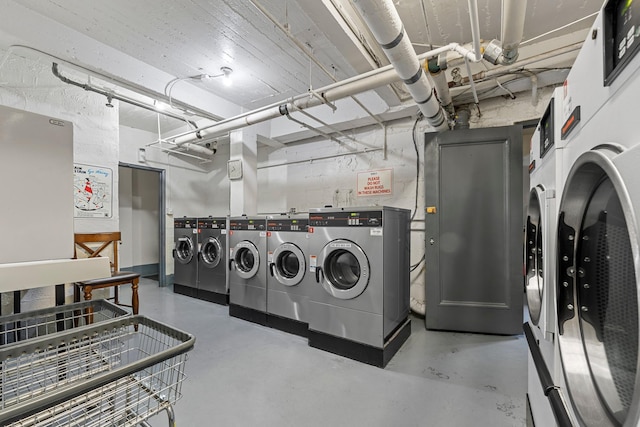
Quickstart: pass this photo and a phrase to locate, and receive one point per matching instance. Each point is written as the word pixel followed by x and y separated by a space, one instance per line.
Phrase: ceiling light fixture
pixel 226 73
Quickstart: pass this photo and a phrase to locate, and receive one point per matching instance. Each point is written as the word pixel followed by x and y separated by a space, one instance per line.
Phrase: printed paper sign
pixel 92 193
pixel 375 183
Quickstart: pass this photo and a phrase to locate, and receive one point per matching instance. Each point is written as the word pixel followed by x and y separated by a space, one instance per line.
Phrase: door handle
pixel 174 254
pixel 230 263
pixel 318 272
pixel 271 268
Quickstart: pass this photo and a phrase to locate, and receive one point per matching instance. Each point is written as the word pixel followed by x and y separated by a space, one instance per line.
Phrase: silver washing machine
pixel 248 268
pixel 213 284
pixel 598 239
pixel 359 304
pixel 288 278
pixel 185 256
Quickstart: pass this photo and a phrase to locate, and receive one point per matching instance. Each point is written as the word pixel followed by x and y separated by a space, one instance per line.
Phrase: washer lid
pixel 289 265
pixel 211 252
pixel 534 256
pixel 246 259
pixel 345 269
pixel 185 250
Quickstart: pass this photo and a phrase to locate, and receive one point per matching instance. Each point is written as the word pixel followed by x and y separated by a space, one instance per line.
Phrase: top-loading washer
pixel 288 279
pixel 248 268
pixel 185 256
pixel 213 282
pixel 359 304
pixel 598 241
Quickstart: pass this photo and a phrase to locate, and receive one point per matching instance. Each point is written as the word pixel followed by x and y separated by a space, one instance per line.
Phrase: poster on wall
pixel 92 192
pixel 375 182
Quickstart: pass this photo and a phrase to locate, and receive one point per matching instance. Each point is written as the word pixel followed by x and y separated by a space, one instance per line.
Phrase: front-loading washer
pixel 248 268
pixel 598 241
pixel 213 282
pixel 359 304
pixel 185 256
pixel 540 242
pixel 288 278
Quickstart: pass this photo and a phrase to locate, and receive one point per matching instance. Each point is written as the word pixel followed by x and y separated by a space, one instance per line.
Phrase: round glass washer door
pixel 184 250
pixel 246 259
pixel 598 258
pixel 533 257
pixel 211 252
pixel 345 268
pixel 288 265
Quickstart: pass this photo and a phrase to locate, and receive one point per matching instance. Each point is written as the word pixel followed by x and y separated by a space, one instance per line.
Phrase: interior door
pixel 474 230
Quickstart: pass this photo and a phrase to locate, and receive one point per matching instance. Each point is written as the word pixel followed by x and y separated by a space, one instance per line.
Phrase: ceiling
pixel 279 49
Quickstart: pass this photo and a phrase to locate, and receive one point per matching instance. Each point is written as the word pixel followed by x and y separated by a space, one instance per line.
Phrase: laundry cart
pixel 118 372
pixel 45 321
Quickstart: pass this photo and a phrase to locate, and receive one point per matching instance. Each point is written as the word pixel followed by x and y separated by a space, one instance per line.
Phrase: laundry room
pixel 243 212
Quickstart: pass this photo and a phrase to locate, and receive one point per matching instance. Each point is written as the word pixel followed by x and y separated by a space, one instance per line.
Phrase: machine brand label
pixel 339 245
pixel 376 232
pixel 263 234
pixel 223 231
pixel 56 122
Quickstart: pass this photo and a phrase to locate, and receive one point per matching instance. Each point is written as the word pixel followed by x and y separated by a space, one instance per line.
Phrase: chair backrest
pixel 97 244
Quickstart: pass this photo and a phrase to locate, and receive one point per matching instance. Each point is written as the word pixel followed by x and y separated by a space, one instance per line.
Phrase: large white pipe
pixel 384 22
pixel 513 14
pixel 333 92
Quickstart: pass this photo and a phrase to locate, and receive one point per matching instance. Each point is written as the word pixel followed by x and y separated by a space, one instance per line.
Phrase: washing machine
pixel 598 240
pixel 185 256
pixel 248 268
pixel 359 301
pixel 213 283
pixel 288 279
pixel 540 242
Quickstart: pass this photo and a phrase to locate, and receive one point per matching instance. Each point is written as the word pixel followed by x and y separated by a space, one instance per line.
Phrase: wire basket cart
pixel 36 323
pixel 119 372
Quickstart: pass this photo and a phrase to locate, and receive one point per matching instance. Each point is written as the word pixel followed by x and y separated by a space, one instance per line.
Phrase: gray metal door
pixel 474 230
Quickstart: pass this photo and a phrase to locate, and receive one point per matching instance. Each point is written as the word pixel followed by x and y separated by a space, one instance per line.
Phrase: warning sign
pixel 375 183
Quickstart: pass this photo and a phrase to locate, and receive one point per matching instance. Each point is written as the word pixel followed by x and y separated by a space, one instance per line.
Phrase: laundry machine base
pixel 362 352
pixel 216 297
pixel 185 290
pixel 248 314
pixel 291 326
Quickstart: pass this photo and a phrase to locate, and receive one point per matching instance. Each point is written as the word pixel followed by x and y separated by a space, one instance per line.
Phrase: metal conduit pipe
pixel 384 22
pixel 110 96
pixel 513 13
pixel 353 85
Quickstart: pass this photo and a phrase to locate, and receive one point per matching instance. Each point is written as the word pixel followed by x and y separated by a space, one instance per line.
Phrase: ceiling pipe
pixel 505 51
pixel 513 13
pixel 333 92
pixel 384 22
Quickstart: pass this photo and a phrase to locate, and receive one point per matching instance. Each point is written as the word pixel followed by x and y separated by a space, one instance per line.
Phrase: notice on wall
pixel 92 192
pixel 375 182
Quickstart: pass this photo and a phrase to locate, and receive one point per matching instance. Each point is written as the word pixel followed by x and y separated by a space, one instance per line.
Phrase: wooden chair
pixel 95 245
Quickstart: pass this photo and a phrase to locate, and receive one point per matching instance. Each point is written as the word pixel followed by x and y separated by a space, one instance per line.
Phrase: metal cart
pixel 36 323
pixel 118 372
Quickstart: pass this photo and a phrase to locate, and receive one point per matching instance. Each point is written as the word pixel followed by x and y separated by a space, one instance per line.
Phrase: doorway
pixel 141 191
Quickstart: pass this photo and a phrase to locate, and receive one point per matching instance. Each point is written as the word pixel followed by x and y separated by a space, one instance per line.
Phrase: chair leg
pixel 89 310
pixel 134 296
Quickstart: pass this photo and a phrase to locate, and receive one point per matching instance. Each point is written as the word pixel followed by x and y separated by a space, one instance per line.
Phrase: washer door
pixel 345 269
pixel 533 254
pixel 246 259
pixel 598 262
pixel 288 266
pixel 211 253
pixel 184 250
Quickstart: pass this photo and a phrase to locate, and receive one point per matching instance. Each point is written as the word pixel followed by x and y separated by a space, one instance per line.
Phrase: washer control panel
pixel 288 224
pixel 185 223
pixel 346 219
pixel 247 224
pixel 212 223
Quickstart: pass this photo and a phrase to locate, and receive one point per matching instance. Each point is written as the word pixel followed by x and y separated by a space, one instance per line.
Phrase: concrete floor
pixel 242 374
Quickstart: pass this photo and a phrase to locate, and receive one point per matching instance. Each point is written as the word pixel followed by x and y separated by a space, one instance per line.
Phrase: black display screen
pixel 546 130
pixel 621 36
